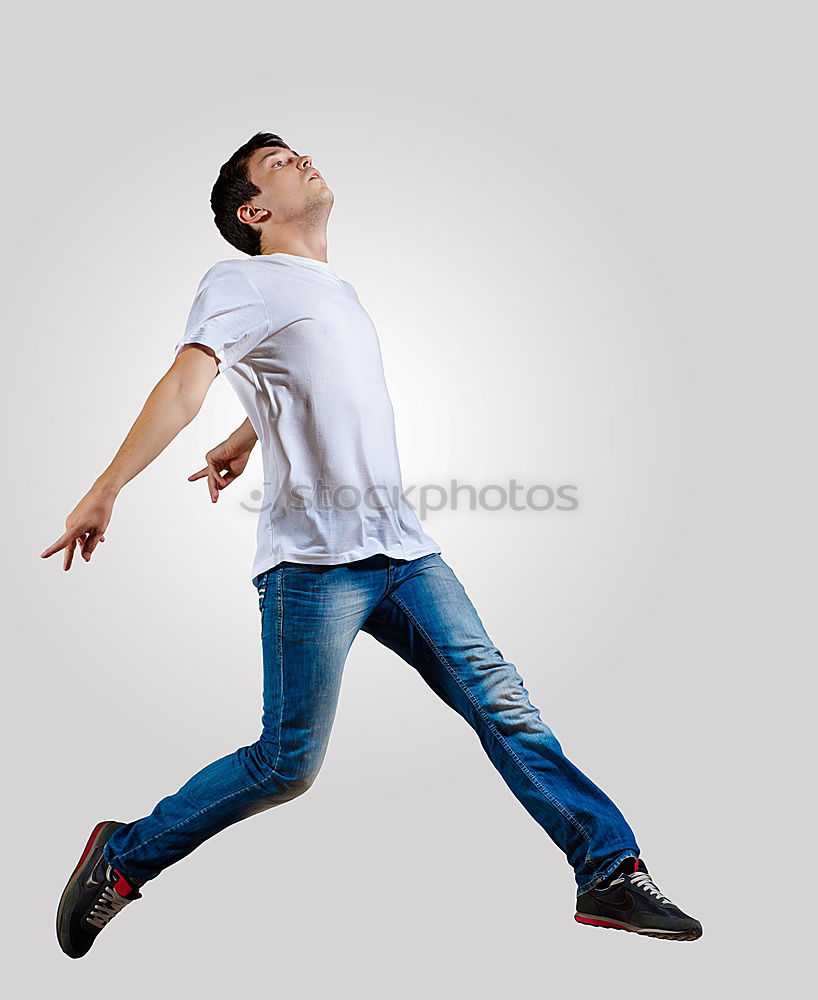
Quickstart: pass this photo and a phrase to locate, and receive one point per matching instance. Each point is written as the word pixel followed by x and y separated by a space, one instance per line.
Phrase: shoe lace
pixel 107 905
pixel 643 881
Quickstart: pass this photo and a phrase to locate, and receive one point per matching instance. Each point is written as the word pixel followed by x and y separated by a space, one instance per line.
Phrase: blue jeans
pixel 310 616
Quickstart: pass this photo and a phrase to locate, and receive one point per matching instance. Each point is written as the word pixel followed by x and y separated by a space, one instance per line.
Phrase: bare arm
pixel 173 402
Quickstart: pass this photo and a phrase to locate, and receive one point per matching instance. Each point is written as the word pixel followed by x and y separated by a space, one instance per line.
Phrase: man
pixel 339 550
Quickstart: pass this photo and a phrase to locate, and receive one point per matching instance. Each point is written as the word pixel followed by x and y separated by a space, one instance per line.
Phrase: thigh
pixel 429 620
pixel 310 616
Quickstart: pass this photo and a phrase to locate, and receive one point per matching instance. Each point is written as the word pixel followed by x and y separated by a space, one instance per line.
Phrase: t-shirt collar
pixel 298 259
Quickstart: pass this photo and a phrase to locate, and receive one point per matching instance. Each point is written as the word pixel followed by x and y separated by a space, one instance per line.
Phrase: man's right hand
pixel 85 525
pixel 226 462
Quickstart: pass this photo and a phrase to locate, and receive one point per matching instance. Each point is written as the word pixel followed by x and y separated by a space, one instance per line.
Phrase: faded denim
pixel 310 616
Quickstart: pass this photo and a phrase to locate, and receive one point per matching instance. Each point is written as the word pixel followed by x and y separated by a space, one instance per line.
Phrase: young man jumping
pixel 339 550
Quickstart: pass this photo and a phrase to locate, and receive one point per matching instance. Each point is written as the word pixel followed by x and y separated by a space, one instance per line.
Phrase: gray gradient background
pixel 585 234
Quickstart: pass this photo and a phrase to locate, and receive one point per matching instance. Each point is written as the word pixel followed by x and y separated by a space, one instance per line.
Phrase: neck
pixel 299 243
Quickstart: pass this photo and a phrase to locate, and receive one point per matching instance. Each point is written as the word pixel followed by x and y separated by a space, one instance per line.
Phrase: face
pixel 291 189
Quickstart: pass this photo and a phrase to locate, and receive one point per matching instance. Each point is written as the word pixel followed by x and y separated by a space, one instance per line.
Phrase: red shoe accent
pixel 91 839
pixel 123 886
pixel 598 923
pixel 636 864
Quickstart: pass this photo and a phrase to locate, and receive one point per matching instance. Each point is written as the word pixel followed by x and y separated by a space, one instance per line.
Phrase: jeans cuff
pixel 115 864
pixel 602 874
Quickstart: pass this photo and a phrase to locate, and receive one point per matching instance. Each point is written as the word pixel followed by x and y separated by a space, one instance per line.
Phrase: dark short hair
pixel 233 188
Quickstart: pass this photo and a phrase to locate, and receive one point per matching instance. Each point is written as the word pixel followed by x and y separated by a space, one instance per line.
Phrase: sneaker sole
pixel 86 864
pixel 689 934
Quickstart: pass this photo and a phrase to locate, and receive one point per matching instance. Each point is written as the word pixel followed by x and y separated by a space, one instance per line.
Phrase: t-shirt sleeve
pixel 228 314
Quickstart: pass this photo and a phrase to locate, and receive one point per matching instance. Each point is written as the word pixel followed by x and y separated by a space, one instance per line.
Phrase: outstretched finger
pixel 69 554
pixel 61 542
pixel 212 487
pixel 216 482
pixel 198 475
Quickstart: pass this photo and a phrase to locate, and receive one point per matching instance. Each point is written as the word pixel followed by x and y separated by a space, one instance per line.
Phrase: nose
pixel 306 161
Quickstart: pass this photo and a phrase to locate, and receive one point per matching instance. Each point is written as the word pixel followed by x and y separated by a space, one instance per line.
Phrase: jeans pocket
pixel 262 590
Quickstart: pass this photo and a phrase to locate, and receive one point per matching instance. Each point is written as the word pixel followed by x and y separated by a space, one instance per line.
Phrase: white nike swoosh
pixel 90 880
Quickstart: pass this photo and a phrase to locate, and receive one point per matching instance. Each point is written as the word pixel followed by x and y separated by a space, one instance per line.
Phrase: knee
pixel 274 789
pixel 284 778
pixel 298 784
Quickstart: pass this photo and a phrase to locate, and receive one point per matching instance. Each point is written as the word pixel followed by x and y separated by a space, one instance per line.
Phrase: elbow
pixel 186 394
pixel 189 400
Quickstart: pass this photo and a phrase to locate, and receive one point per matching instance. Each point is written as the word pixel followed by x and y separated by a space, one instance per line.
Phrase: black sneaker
pixel 630 901
pixel 95 892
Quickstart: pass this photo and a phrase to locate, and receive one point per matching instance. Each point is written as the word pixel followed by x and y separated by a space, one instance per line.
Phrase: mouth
pixel 315 176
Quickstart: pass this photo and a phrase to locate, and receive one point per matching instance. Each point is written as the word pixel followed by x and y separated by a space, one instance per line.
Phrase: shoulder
pixel 249 270
pixel 225 268
pixel 232 277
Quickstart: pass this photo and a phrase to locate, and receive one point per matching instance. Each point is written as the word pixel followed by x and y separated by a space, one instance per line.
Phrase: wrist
pixel 244 436
pixel 107 486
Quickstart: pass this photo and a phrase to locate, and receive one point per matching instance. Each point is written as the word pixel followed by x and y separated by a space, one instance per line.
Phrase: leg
pixel 427 618
pixel 309 619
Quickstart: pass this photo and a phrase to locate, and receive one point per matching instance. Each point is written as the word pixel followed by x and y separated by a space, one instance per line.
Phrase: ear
pixel 252 214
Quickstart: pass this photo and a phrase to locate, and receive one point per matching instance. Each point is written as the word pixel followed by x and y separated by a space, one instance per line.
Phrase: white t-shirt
pixel 303 356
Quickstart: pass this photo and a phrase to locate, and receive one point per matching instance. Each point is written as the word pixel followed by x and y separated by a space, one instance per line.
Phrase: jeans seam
pixel 212 805
pixel 280 594
pixel 555 803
